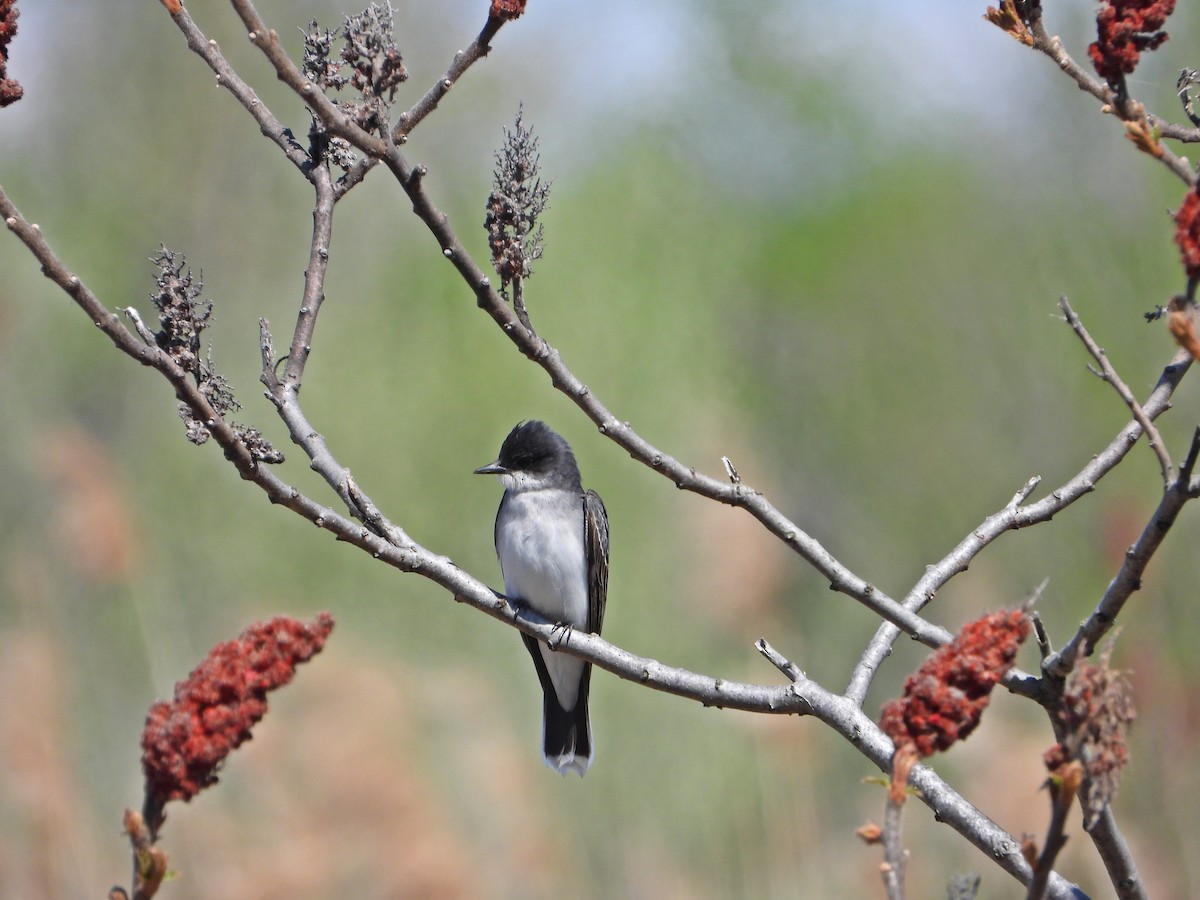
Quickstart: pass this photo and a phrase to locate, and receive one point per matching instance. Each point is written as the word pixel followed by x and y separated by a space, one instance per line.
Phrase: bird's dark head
pixel 534 456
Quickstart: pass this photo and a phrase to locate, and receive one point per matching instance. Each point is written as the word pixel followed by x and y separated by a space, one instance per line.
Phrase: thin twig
pixel 368 513
pixel 1174 131
pixel 314 281
pixel 1189 463
pixel 1035 596
pixel 1109 374
pixel 462 61
pixel 1012 518
pixel 518 295
pixel 149 860
pixel 1120 104
pixel 1023 494
pixel 229 79
pixel 1118 861
pixel 790 670
pixel 1045 647
pixel 1062 792
pixel 1128 578
pixel 894 854
pixel 139 326
pixel 353 176
pixel 303 434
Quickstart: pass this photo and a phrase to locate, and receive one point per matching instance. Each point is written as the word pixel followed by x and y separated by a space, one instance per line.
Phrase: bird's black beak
pixel 491 469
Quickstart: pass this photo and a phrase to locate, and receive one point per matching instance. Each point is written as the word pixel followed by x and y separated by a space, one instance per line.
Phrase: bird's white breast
pixel 539 539
pixel 540 544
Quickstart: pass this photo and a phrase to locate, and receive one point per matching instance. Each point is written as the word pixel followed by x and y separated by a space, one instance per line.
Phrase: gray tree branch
pixel 375 534
pixel 382 541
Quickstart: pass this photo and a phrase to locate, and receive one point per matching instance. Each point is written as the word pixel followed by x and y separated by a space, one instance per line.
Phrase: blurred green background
pixel 826 242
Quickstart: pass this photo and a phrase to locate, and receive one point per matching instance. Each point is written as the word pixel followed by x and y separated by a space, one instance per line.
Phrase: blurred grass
pixel 873 342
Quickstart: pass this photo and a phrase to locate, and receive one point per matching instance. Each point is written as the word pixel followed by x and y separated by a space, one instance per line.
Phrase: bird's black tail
pixel 566 733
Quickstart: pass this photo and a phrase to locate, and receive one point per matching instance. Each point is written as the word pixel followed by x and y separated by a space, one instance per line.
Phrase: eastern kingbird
pixel 552 540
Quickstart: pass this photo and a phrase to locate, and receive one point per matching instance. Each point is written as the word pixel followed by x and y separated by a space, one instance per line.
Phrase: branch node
pixel 790 670
pixel 1045 647
pixel 143 331
pixel 1109 374
pixel 1023 494
pixel 730 471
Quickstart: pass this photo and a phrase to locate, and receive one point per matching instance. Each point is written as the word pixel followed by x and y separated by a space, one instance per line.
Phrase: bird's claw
pixel 559 635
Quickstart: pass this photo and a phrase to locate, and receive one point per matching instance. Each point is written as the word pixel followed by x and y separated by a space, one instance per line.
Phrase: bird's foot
pixel 560 635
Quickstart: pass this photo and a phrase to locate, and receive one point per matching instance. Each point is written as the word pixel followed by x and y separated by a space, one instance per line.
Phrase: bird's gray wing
pixel 595 539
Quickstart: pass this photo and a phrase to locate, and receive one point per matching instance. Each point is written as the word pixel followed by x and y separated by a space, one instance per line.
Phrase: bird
pixel 552 542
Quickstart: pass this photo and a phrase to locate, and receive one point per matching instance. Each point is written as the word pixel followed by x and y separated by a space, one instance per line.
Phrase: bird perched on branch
pixel 552 541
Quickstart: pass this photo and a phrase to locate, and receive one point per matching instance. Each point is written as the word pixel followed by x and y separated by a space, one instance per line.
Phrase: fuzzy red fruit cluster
pixel 10 89
pixel 944 699
pixel 1125 29
pixel 186 739
pixel 1187 232
pixel 507 9
pixel 1095 715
